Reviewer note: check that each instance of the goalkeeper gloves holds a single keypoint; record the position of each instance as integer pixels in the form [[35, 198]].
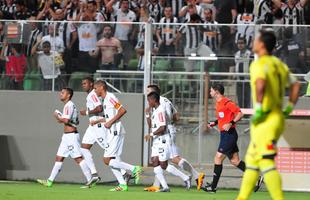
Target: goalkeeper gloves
[[288, 109], [258, 115]]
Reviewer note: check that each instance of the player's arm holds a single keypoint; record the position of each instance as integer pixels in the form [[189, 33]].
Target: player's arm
[[61, 119], [121, 111], [176, 117], [238, 115], [259, 115], [96, 110], [148, 116], [159, 131], [294, 87]]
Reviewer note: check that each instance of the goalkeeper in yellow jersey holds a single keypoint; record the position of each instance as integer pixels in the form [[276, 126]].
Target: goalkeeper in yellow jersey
[[269, 79]]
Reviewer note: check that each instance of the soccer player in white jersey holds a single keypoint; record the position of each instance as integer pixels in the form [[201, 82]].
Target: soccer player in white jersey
[[113, 111], [173, 116], [94, 134], [161, 144], [70, 142]]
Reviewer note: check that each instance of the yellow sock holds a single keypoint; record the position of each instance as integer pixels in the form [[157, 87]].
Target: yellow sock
[[272, 179], [248, 182]]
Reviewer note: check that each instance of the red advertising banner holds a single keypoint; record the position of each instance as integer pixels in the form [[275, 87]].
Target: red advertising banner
[[293, 160]]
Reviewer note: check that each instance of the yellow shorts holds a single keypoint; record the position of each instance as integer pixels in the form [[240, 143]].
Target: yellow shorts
[[264, 137]]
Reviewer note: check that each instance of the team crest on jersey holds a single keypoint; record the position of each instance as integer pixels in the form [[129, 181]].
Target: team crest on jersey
[[221, 114]]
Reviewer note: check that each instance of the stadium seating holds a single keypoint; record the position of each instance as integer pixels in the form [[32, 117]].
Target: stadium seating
[[33, 80]]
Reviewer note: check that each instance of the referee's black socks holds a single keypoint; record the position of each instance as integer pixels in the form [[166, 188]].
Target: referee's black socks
[[241, 165], [216, 176]]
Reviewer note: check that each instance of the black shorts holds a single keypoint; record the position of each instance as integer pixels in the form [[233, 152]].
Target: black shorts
[[228, 142]]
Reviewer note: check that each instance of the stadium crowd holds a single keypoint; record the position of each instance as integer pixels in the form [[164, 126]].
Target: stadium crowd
[[71, 45]]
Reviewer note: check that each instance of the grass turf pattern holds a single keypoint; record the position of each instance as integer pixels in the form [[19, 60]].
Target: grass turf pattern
[[34, 191]]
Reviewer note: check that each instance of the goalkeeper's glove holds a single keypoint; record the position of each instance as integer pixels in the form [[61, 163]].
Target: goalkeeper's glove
[[288, 109], [258, 115]]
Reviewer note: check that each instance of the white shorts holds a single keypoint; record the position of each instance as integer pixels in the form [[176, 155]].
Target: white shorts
[[161, 150], [70, 146], [93, 134], [113, 145], [174, 150]]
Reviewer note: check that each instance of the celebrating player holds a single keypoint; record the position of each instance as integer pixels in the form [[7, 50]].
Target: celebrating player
[[70, 142], [228, 114], [172, 117], [269, 78], [113, 112], [161, 144], [94, 133]]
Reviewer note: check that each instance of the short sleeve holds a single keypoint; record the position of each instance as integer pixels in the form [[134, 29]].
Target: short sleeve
[[233, 107], [95, 100], [259, 71], [67, 112], [115, 102]]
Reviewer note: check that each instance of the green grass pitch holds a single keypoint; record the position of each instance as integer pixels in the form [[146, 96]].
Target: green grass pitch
[[34, 191]]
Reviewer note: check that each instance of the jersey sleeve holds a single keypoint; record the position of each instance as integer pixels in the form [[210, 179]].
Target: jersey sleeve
[[67, 111], [115, 102], [259, 71], [290, 78], [94, 98], [233, 107]]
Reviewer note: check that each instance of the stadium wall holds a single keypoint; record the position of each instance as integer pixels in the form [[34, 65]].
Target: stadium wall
[[30, 136]]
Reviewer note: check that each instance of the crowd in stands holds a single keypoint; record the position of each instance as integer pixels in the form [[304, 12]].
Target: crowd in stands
[[74, 44]]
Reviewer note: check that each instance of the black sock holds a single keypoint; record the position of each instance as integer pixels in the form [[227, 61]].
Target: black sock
[[216, 176], [241, 166]]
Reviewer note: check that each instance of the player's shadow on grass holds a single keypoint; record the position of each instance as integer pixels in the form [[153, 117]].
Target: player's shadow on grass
[[11, 157]]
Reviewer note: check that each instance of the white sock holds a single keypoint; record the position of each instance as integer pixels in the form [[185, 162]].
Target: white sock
[[156, 182], [121, 165], [159, 173], [118, 175], [85, 169], [122, 170], [172, 170], [88, 157], [185, 165], [56, 169]]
